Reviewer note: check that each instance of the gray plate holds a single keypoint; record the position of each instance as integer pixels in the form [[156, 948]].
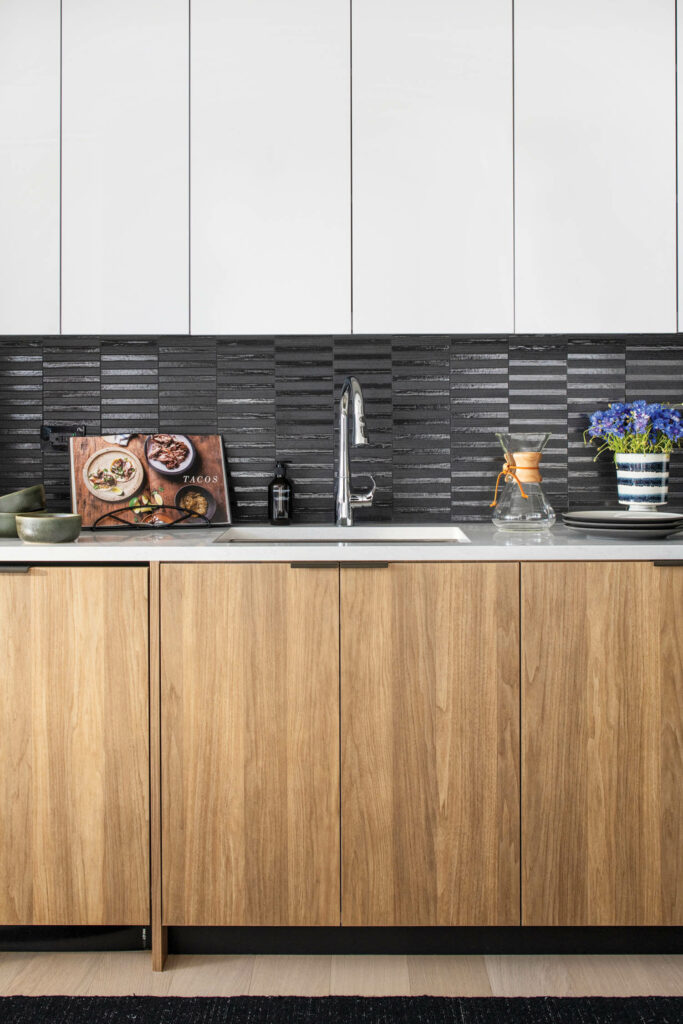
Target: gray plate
[[621, 517]]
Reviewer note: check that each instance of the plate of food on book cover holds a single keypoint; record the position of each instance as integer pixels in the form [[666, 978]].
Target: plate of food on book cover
[[113, 474], [170, 454]]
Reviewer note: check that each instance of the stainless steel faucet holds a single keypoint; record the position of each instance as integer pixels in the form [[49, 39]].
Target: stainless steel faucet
[[347, 499]]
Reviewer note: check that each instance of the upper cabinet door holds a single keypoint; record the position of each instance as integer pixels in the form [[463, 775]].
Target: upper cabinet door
[[595, 166], [29, 166], [432, 166], [125, 166], [679, 111], [270, 193]]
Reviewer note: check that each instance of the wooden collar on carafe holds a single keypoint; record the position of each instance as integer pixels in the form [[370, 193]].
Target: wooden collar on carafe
[[526, 466]]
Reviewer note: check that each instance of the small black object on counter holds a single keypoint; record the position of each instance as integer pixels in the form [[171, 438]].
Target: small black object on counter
[[280, 496]]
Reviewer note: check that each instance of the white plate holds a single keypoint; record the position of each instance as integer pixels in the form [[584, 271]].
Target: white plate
[[617, 517]]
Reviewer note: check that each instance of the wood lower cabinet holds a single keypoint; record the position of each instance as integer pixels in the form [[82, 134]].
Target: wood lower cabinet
[[250, 744], [602, 744], [430, 744], [74, 749]]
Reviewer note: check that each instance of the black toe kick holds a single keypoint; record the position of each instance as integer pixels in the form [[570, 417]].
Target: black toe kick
[[40, 939], [416, 941]]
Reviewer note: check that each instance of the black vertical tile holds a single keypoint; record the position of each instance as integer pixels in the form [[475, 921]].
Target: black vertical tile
[[303, 438], [246, 419], [421, 381], [21, 412], [654, 371], [130, 386], [596, 376], [370, 361], [433, 406], [479, 408], [71, 396], [187, 385], [538, 403]]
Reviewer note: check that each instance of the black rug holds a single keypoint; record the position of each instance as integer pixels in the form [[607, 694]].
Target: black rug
[[336, 1010]]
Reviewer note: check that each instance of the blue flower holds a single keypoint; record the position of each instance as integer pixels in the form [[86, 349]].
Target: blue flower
[[638, 427]]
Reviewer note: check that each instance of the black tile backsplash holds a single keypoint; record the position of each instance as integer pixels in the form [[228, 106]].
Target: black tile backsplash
[[433, 405]]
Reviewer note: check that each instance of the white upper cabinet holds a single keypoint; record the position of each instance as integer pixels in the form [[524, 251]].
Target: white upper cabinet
[[432, 166], [29, 167], [595, 166], [679, 80], [270, 183], [125, 185]]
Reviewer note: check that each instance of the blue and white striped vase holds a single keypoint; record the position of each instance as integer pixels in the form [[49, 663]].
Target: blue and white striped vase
[[642, 481]]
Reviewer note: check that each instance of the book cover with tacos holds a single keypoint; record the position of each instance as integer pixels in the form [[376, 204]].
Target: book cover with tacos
[[161, 479]]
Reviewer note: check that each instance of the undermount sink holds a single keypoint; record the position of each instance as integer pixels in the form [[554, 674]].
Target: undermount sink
[[361, 533]]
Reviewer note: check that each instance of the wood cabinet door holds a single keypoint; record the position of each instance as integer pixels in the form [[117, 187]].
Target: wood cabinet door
[[74, 748], [602, 744], [250, 744], [430, 744]]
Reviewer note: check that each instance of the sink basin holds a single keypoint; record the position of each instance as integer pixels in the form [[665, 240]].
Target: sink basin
[[362, 533]]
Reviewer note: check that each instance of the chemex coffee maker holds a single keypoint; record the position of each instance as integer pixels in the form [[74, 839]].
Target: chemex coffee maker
[[522, 504]]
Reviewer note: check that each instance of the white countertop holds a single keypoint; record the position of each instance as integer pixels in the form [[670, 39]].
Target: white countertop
[[485, 543]]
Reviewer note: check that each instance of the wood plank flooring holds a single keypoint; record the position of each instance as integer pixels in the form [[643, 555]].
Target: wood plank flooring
[[130, 973]]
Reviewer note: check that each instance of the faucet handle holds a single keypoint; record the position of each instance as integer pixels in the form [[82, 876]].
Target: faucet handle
[[364, 497]]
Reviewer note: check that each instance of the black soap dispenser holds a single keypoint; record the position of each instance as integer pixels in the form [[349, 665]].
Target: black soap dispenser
[[280, 496]]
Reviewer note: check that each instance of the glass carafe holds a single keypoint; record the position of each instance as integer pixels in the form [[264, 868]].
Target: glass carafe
[[520, 504]]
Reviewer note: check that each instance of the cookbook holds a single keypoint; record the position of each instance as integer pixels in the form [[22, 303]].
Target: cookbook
[[160, 479]]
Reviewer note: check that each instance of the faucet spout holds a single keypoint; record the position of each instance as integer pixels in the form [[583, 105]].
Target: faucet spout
[[351, 395]]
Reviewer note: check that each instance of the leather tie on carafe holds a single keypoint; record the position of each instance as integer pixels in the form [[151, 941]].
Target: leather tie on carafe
[[522, 467]]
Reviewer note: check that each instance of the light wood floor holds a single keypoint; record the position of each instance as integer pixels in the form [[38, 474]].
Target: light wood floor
[[130, 973]]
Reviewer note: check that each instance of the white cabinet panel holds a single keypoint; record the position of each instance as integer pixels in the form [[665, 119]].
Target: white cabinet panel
[[125, 188], [595, 165], [679, 24], [270, 142], [432, 166], [29, 167]]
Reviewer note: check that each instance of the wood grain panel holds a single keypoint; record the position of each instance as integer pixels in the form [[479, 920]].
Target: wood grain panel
[[159, 932], [74, 761], [602, 753], [250, 745], [430, 744]]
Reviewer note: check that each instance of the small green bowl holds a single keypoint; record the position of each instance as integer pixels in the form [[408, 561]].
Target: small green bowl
[[8, 523], [30, 499], [48, 527]]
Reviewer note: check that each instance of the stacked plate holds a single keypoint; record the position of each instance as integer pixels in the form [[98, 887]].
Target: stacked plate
[[625, 524]]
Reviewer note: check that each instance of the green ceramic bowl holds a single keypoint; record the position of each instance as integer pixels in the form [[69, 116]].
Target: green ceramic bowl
[[8, 523], [48, 527], [30, 499]]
